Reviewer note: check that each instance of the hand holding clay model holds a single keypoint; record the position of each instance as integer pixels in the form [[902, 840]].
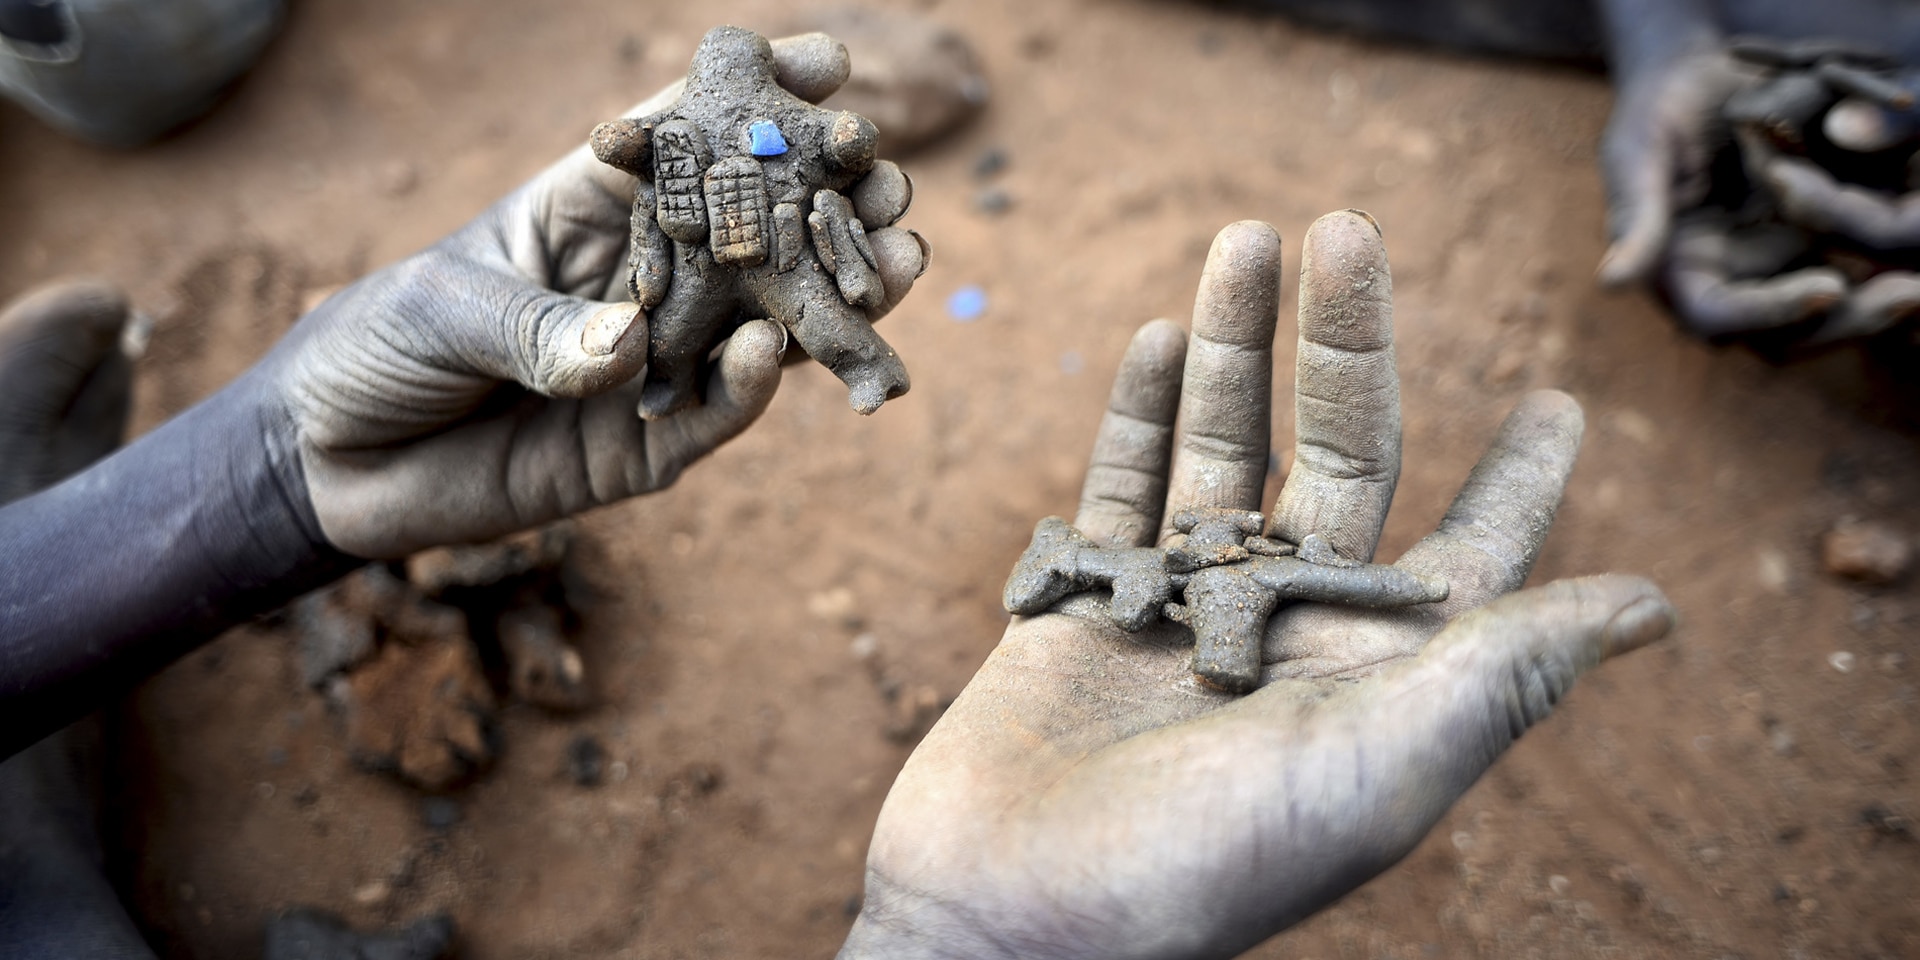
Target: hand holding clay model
[[750, 202], [1197, 823], [485, 385]]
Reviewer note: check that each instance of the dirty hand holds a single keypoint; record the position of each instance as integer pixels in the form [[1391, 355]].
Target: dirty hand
[[1656, 152], [491, 382], [1085, 797]]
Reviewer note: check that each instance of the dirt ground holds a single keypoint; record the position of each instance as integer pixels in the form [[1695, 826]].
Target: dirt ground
[[1729, 793]]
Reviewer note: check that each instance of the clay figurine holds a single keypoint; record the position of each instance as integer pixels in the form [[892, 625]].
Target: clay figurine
[[742, 210], [1230, 578]]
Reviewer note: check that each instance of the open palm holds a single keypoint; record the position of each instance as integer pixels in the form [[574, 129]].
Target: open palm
[[1086, 797]]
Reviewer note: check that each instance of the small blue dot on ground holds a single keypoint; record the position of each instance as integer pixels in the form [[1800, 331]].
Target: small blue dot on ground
[[765, 139], [967, 304], [1072, 362]]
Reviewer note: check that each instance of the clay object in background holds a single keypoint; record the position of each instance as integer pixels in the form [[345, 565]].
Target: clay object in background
[[914, 77], [728, 176], [1230, 578]]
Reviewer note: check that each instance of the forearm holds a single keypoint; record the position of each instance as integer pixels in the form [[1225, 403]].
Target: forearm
[[121, 569], [1644, 35]]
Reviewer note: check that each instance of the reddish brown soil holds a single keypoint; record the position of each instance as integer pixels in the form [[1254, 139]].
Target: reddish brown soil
[[1728, 793]]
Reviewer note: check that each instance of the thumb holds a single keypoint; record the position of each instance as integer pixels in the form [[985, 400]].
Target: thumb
[[500, 327], [580, 347], [1495, 672]]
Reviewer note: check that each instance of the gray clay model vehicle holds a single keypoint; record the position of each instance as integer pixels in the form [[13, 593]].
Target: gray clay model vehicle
[[1230, 578]]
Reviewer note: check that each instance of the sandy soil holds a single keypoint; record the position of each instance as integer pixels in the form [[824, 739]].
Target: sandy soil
[[1729, 793]]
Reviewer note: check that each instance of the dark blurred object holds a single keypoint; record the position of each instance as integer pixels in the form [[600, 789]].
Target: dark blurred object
[[1541, 29], [916, 79], [43, 22], [1809, 233], [304, 933], [123, 72]]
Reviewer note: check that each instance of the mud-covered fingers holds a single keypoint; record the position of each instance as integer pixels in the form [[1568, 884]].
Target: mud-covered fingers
[[882, 197], [1711, 302], [64, 384], [1226, 395], [1876, 305], [1812, 198], [1711, 305], [1492, 534], [1126, 486], [811, 65], [1637, 159], [51, 342], [743, 383], [900, 256], [1347, 391]]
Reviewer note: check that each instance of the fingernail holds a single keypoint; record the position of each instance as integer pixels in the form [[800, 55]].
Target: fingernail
[[1370, 221], [1642, 622], [926, 253], [605, 329]]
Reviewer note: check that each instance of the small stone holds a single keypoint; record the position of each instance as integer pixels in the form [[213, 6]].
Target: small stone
[[1840, 660], [1776, 573], [990, 163], [836, 605], [765, 139], [1559, 885], [372, 892], [439, 814], [864, 647], [586, 761], [1865, 551], [993, 201], [1781, 739]]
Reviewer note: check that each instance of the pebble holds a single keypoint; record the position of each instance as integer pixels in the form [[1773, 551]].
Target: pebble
[[991, 161], [373, 892], [1559, 885], [586, 761], [992, 201], [1840, 660], [1865, 551], [440, 814], [1781, 739]]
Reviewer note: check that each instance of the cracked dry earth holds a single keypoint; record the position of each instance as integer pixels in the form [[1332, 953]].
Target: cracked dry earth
[[1727, 793]]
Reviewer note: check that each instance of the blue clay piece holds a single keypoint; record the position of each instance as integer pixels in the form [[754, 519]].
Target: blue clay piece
[[766, 139]]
